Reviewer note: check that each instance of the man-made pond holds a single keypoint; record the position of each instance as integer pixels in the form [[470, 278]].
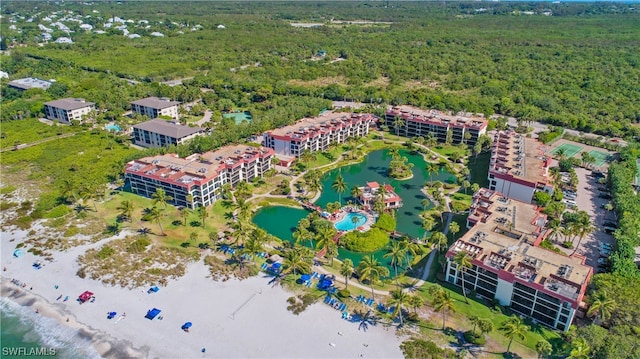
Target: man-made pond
[[374, 169]]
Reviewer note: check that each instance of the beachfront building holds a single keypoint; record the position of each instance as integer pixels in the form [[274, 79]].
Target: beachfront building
[[200, 176], [508, 265], [416, 122], [316, 134], [162, 133], [372, 191], [68, 109], [154, 107], [519, 166], [30, 83]]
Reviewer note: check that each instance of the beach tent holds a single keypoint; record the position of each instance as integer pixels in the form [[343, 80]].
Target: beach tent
[[152, 313], [153, 289], [110, 315], [305, 277], [186, 326], [85, 296], [18, 253]]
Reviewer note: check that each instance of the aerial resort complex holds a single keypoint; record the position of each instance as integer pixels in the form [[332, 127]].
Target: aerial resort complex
[[184, 179]]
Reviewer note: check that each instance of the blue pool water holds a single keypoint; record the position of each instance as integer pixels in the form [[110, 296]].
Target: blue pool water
[[114, 128], [346, 223]]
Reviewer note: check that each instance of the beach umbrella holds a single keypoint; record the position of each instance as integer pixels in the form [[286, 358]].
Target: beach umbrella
[[305, 277], [18, 253]]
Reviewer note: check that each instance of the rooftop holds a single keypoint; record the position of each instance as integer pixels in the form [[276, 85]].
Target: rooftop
[[70, 104], [507, 246], [156, 102], [30, 83], [167, 128], [519, 156], [324, 121], [197, 167], [438, 117]]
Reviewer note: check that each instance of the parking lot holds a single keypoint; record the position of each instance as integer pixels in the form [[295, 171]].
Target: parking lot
[[587, 200]]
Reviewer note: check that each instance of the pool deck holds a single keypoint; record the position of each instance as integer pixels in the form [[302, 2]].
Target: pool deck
[[342, 212]]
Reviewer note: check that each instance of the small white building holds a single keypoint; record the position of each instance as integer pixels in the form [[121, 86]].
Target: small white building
[[67, 109]]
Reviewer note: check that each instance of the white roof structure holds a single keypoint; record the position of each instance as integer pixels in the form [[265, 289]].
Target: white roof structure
[[157, 34], [63, 40]]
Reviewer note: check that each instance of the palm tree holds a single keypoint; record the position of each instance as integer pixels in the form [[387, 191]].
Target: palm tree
[[379, 206], [465, 185], [356, 192], [203, 214], [366, 319], [514, 328], [543, 348], [485, 326], [240, 232], [601, 307], [339, 185], [425, 203], [580, 349], [296, 261], [432, 168], [126, 210], [463, 262], [475, 188], [370, 269], [307, 156], [415, 302], [474, 319], [324, 235], [442, 302], [155, 215], [354, 220], [582, 231], [398, 122], [427, 225], [398, 299], [160, 196], [346, 270], [439, 239], [454, 228], [185, 213], [560, 154], [398, 255]]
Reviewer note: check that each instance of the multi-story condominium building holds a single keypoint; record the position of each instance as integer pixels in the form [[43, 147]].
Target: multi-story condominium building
[[162, 133], [518, 166], [68, 109], [431, 123], [371, 192], [200, 176], [30, 83], [508, 265], [154, 107], [315, 134]]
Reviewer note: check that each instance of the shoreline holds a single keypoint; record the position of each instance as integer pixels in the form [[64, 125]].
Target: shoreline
[[103, 343], [231, 319]]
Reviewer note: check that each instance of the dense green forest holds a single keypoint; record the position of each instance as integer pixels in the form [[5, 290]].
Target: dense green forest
[[578, 68]]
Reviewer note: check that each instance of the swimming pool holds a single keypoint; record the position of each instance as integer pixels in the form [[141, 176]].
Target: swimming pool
[[114, 128], [347, 224]]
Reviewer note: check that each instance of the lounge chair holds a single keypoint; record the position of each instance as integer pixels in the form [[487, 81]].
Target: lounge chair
[[370, 301], [327, 299]]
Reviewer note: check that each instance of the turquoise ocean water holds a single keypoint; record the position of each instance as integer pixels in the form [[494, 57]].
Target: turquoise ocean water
[[22, 329]]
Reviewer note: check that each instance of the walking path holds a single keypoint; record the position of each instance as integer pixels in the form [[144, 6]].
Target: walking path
[[25, 145]]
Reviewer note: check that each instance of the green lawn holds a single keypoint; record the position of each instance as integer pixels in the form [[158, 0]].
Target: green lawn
[[447, 150], [479, 169]]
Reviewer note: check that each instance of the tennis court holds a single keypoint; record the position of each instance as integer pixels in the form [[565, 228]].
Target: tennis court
[[569, 149], [601, 157]]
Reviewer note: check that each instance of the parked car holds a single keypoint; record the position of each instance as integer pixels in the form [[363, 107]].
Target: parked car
[[602, 261], [604, 195], [609, 230], [597, 174], [610, 224]]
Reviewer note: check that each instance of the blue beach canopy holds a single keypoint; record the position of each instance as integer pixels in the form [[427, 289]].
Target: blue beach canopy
[[305, 277], [18, 253], [152, 313], [187, 325]]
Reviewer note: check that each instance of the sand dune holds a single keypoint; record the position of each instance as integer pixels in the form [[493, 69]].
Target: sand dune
[[233, 319]]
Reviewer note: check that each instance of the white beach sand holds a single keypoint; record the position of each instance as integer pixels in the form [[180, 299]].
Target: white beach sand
[[233, 319]]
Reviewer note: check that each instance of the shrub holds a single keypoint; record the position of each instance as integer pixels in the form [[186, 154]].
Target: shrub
[[473, 338], [139, 245], [57, 211], [548, 245], [71, 231], [567, 244], [459, 206], [365, 242], [7, 189], [344, 293], [105, 252], [386, 222]]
